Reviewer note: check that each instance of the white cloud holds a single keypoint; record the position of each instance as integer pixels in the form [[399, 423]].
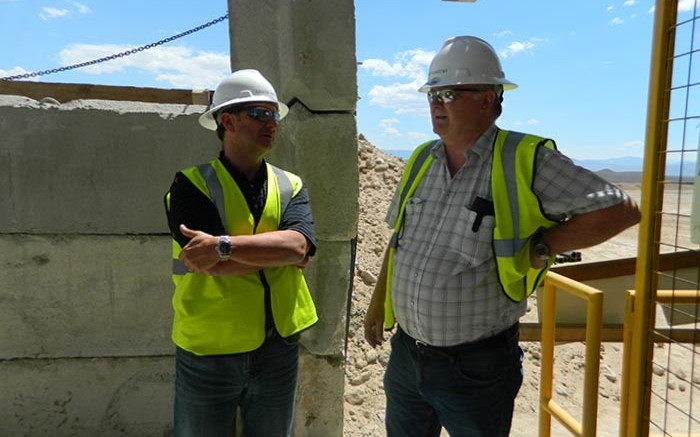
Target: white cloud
[[391, 132], [176, 66], [402, 98], [388, 128], [407, 73], [502, 33], [16, 72], [81, 9], [387, 122], [610, 8], [629, 3], [616, 21], [418, 136], [48, 13], [411, 64], [686, 5], [533, 122], [517, 47]]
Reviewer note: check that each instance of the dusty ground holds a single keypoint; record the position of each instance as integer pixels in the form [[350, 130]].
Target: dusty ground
[[364, 395]]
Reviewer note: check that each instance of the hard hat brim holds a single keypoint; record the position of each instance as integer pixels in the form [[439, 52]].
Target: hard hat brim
[[436, 83], [207, 118]]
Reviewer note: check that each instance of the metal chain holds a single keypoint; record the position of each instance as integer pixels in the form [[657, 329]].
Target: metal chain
[[118, 55]]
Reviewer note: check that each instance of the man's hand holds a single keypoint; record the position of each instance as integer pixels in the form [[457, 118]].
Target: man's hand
[[199, 255], [374, 323]]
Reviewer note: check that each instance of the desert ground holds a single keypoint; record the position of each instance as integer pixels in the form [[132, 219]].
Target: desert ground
[[364, 395]]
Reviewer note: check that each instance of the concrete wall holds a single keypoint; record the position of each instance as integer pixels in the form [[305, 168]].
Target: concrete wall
[[84, 249]]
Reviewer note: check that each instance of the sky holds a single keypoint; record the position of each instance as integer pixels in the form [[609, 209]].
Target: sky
[[582, 67]]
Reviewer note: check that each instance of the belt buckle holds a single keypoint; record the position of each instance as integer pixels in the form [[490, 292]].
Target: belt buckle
[[421, 344]]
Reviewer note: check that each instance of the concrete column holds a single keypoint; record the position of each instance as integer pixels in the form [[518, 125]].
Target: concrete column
[[307, 50]]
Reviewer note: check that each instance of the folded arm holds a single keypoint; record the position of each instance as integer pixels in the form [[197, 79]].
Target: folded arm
[[249, 253]]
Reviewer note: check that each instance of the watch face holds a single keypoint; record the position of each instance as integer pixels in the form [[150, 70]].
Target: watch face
[[541, 250], [223, 248]]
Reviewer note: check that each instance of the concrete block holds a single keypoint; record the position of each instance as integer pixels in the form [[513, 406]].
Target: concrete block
[[319, 408], [322, 149], [87, 397], [94, 167], [307, 49], [329, 277], [70, 296]]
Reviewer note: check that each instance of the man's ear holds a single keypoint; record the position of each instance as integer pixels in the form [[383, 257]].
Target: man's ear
[[487, 100], [226, 120]]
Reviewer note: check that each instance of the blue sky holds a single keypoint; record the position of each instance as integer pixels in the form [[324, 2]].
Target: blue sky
[[582, 67]]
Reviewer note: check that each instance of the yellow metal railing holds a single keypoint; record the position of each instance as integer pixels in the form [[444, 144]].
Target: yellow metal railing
[[633, 366], [548, 407]]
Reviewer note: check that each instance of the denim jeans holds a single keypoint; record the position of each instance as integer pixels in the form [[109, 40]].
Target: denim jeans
[[468, 389], [209, 389]]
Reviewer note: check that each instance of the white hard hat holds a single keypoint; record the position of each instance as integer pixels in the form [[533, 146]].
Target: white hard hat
[[241, 86], [466, 60]]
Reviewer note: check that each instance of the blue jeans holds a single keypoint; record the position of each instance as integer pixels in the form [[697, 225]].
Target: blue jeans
[[209, 389], [469, 389]]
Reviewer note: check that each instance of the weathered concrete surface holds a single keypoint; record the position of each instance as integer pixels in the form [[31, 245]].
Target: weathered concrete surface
[[329, 277], [94, 167], [84, 296], [323, 148], [305, 48], [87, 397], [321, 385]]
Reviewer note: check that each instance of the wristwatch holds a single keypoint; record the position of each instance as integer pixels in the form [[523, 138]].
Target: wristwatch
[[540, 247], [223, 248]]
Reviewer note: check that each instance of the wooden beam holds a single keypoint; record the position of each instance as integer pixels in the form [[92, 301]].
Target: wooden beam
[[626, 266], [610, 333], [66, 92]]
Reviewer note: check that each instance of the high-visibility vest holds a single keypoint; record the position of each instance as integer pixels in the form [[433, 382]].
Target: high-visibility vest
[[518, 214], [226, 314]]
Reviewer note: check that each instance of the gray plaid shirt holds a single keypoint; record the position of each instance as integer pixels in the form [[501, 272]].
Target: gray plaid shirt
[[445, 289]]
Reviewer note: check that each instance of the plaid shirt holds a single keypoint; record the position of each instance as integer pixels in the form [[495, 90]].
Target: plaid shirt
[[445, 287]]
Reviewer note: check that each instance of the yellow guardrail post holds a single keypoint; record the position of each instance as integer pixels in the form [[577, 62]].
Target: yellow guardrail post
[[626, 349], [594, 314], [547, 344]]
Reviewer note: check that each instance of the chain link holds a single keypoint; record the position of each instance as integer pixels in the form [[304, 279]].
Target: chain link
[[118, 55]]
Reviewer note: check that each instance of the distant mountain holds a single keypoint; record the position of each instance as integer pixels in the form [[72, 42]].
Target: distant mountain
[[626, 169], [673, 167]]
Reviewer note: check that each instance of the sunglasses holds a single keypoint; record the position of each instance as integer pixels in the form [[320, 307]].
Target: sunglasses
[[262, 114], [449, 95]]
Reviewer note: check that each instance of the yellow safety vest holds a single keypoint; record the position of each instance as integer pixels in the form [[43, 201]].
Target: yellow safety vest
[[518, 214], [226, 314]]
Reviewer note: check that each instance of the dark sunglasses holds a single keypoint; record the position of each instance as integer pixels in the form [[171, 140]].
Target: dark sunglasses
[[262, 114], [449, 95]]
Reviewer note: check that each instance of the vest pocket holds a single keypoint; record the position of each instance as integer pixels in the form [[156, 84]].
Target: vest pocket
[[473, 246]]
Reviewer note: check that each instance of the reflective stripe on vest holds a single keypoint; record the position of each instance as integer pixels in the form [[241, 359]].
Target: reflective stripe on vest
[[285, 187], [508, 248]]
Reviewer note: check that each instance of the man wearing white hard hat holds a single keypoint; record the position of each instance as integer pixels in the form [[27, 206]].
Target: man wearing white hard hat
[[242, 231], [478, 217]]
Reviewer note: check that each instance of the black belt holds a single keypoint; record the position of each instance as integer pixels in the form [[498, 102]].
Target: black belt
[[467, 346]]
